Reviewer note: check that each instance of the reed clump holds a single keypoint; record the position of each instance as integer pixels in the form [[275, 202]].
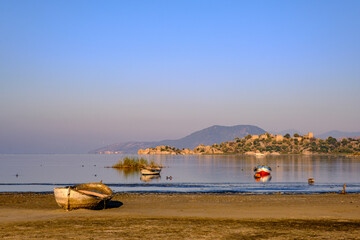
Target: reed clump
[[135, 163]]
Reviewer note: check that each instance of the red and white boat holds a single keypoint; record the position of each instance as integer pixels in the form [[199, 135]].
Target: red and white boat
[[262, 170]]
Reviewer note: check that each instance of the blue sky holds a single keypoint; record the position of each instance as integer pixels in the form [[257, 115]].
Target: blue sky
[[77, 75]]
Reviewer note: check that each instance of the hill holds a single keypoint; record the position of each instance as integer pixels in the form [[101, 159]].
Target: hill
[[267, 144], [339, 134], [127, 147], [208, 136]]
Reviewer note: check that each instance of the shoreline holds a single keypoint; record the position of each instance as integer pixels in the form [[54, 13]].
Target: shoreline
[[202, 193], [185, 215], [241, 154]]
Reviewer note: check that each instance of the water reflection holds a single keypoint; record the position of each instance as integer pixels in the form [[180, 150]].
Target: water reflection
[[239, 168], [224, 172], [150, 178], [127, 172], [263, 179]]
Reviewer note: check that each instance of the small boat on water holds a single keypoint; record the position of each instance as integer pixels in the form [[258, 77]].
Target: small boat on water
[[150, 171], [88, 195], [262, 170], [311, 181]]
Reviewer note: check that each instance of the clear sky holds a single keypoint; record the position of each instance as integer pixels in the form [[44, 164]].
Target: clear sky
[[78, 75]]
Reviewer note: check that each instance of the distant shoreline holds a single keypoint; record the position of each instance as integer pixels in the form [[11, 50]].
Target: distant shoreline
[[238, 154], [244, 154]]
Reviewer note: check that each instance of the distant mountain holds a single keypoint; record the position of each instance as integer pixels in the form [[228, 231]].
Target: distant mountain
[[207, 136], [289, 131], [127, 147], [338, 134], [214, 134]]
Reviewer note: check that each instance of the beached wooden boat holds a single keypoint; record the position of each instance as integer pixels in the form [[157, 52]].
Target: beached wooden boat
[[88, 195], [262, 170], [150, 171]]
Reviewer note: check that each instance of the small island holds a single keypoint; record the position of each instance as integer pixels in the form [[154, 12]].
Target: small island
[[266, 144], [135, 164]]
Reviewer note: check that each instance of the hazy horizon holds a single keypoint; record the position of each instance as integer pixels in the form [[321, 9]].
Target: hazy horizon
[[78, 75]]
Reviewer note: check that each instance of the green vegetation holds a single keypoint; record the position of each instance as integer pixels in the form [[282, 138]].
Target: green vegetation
[[135, 163], [166, 149]]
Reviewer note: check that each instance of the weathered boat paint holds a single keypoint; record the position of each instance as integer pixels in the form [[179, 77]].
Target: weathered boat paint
[[88, 195]]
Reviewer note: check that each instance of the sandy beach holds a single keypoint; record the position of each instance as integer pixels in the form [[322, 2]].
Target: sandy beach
[[184, 216]]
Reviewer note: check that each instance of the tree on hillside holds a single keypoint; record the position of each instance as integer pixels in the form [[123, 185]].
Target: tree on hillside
[[256, 142], [248, 137], [344, 142], [296, 135], [332, 141], [287, 136]]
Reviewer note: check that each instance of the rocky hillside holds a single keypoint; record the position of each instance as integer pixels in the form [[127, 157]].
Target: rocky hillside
[[167, 150], [268, 144]]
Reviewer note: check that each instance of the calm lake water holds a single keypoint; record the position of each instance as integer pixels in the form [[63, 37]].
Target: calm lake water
[[41, 173]]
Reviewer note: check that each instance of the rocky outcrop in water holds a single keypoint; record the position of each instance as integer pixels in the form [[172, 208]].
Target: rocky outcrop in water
[[167, 150]]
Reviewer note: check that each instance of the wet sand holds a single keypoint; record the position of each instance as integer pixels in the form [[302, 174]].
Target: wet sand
[[184, 216]]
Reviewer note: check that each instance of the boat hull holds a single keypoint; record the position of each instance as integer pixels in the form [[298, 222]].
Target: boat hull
[[82, 196], [146, 171], [262, 171], [71, 199]]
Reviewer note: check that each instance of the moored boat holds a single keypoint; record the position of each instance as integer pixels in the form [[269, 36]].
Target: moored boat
[[150, 171], [88, 195], [262, 170]]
